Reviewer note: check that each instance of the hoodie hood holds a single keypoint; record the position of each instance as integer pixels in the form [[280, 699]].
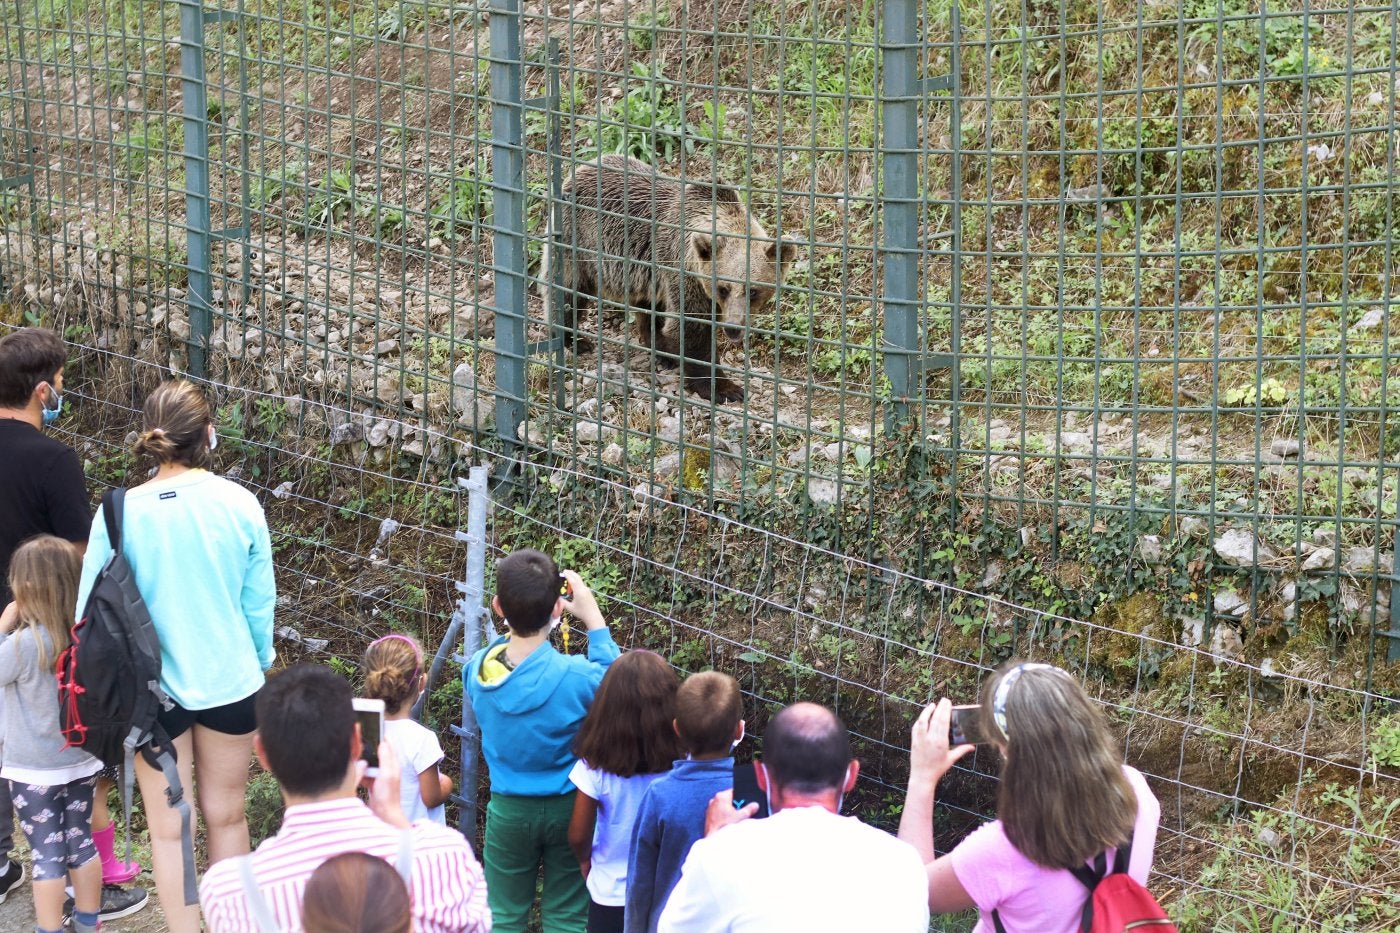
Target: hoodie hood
[[527, 688]]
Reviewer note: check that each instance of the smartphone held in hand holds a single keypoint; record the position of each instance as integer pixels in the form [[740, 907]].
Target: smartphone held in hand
[[370, 715], [964, 726]]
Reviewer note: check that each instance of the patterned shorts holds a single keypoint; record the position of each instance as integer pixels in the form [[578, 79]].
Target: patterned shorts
[[57, 821]]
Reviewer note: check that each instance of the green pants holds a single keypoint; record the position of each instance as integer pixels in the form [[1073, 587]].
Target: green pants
[[523, 835]]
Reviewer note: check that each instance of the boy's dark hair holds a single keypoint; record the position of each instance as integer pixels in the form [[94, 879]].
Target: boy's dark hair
[[527, 584], [305, 719], [806, 749], [28, 356], [708, 710]]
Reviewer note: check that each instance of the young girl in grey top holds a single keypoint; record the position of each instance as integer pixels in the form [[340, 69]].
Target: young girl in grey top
[[52, 786]]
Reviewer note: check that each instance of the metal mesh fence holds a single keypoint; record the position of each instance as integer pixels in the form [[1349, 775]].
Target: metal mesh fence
[[1088, 306]]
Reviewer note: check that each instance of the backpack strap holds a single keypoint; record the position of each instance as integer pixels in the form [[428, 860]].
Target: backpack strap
[[112, 509], [1091, 876], [164, 760], [404, 860], [258, 907]]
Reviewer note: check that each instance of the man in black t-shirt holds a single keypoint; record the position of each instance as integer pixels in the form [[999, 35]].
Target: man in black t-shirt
[[41, 487], [42, 492]]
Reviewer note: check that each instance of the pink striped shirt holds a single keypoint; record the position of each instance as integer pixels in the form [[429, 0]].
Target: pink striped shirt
[[449, 894]]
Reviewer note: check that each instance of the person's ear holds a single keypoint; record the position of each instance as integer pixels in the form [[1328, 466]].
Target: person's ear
[[852, 772], [760, 774], [676, 728], [739, 731], [496, 605], [357, 744], [261, 753]]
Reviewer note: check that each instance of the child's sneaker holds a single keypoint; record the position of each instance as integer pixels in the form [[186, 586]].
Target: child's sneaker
[[10, 878]]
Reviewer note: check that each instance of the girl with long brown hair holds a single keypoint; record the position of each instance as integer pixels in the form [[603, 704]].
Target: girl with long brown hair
[[1066, 796], [626, 743]]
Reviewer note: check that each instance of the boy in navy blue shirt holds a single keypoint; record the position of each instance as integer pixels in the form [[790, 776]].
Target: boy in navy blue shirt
[[709, 721], [529, 702]]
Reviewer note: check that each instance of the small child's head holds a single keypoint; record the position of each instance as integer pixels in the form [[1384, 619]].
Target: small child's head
[[393, 671], [356, 892], [628, 728], [709, 714], [527, 590], [44, 574]]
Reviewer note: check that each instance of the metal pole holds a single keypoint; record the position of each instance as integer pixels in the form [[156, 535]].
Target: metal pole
[[508, 192], [899, 159], [471, 618], [195, 95]]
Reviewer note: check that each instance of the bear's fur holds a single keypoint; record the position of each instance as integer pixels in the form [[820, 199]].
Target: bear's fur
[[687, 256]]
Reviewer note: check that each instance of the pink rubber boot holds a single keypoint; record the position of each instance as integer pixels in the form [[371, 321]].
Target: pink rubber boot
[[113, 871]]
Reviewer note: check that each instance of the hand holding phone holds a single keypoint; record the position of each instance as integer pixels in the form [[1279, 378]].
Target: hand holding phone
[[370, 715]]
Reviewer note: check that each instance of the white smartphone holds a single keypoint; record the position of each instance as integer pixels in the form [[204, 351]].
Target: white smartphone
[[370, 715]]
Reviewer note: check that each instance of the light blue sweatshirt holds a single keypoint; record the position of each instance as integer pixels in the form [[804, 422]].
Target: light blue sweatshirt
[[528, 719], [199, 548]]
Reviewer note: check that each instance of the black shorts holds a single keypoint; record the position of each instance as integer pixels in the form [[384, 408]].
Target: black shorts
[[236, 718]]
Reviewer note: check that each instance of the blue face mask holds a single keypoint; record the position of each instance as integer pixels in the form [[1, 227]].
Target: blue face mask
[[50, 415]]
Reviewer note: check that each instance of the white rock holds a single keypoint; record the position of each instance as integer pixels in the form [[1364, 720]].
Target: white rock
[[1325, 537], [1364, 560], [1027, 536], [1193, 526], [996, 569], [1241, 548], [347, 433], [1150, 548], [1268, 669], [1228, 602], [385, 347], [1372, 319], [821, 491], [591, 432], [1285, 447], [643, 491], [283, 491], [1269, 837], [1324, 558], [1321, 151], [667, 466], [463, 389], [1225, 644], [378, 434], [612, 454]]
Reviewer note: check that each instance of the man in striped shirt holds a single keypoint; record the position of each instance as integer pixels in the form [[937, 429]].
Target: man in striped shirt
[[307, 737]]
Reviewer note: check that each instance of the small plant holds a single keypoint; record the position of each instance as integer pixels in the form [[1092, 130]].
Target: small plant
[[465, 204], [152, 139], [332, 199], [1385, 743], [292, 175]]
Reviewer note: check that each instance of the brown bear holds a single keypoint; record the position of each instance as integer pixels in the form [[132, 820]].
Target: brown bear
[[686, 256]]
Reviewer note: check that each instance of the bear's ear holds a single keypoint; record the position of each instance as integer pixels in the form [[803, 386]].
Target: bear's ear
[[704, 247], [782, 251]]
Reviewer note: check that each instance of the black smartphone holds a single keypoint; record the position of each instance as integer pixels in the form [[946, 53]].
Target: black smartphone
[[964, 726], [746, 790]]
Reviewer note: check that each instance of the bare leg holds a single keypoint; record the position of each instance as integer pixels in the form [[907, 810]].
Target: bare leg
[[224, 762], [164, 822]]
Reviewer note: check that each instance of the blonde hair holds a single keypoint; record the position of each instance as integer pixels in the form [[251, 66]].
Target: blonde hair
[[1059, 753], [175, 427], [393, 665], [44, 576]]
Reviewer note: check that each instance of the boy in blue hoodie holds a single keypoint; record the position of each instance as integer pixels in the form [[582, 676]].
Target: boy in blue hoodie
[[529, 702], [709, 722]]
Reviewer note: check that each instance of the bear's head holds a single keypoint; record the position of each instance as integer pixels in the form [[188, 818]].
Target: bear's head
[[737, 262]]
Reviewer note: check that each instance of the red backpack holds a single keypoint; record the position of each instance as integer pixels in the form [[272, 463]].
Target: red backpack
[[1116, 902]]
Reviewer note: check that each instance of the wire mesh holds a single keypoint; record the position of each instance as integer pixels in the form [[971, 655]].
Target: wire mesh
[[1149, 349]]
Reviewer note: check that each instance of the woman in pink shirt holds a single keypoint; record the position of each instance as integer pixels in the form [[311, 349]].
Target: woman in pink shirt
[[1065, 797]]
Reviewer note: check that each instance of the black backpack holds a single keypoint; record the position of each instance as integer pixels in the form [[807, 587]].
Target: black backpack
[[109, 691]]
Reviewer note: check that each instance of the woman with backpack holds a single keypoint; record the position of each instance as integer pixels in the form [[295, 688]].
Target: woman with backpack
[[200, 552], [1069, 811]]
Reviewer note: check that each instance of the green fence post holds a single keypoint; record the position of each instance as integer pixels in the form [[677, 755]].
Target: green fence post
[[196, 106], [900, 96], [508, 198]]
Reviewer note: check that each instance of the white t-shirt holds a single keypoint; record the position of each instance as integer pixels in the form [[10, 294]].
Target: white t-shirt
[[803, 868], [418, 750], [619, 799]]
